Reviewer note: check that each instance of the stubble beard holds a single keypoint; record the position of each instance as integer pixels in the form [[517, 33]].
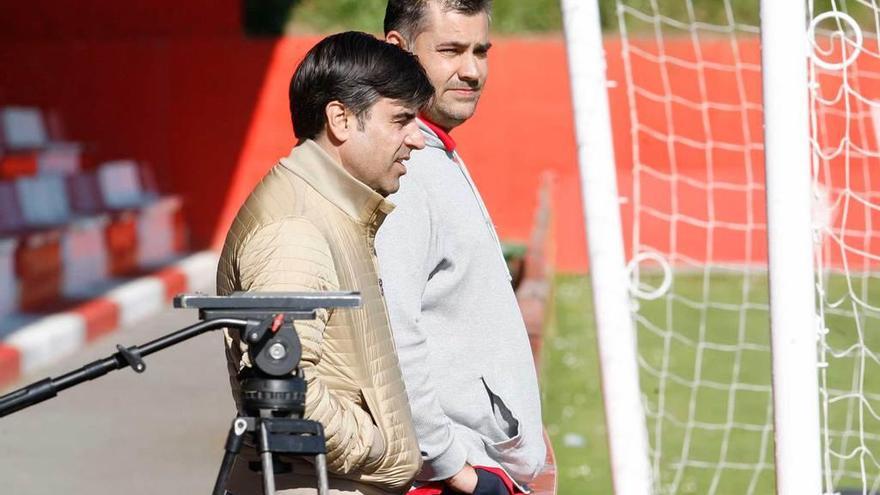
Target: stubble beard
[[453, 114]]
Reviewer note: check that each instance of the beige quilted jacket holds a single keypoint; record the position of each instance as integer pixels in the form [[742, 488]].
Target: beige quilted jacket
[[310, 226]]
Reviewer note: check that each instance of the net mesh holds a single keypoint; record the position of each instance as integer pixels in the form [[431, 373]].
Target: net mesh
[[693, 171], [845, 104], [698, 226]]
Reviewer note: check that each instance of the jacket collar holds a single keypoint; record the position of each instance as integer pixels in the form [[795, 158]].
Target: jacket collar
[[310, 162]]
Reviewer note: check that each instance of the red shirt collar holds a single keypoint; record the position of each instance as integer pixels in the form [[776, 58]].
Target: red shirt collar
[[444, 136]]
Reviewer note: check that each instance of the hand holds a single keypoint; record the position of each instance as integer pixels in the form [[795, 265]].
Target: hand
[[464, 481]]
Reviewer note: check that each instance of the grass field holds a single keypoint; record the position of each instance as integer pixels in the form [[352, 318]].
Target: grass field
[[705, 376], [542, 16]]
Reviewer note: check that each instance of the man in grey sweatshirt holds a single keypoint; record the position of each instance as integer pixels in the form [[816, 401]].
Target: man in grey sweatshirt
[[460, 337]]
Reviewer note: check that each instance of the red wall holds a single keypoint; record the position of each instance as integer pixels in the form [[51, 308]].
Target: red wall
[[108, 19], [175, 84], [210, 115]]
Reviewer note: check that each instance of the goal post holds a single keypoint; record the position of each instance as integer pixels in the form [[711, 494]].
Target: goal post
[[624, 417], [793, 321]]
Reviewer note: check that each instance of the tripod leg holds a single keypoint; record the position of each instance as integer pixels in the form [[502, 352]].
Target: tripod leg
[[233, 447], [321, 470], [266, 457]]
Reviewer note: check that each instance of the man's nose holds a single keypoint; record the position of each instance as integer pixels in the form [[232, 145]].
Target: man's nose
[[415, 139], [469, 70]]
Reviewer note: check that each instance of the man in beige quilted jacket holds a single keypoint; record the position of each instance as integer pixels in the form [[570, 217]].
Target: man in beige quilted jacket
[[309, 225]]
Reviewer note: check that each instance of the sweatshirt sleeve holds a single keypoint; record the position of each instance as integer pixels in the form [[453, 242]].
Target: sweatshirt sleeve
[[407, 251], [291, 255]]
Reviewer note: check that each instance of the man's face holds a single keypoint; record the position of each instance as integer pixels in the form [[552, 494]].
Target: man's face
[[453, 48], [374, 152]]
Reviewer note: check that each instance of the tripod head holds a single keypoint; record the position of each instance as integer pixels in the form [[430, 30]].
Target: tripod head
[[273, 386], [273, 391]]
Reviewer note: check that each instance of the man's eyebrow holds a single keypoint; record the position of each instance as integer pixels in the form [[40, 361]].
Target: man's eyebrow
[[405, 115], [453, 44], [459, 45]]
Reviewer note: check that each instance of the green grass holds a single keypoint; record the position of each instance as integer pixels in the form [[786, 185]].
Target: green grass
[[686, 376], [572, 392], [544, 16], [509, 16]]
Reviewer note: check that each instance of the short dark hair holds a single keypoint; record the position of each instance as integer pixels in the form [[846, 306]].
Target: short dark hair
[[408, 16], [355, 69]]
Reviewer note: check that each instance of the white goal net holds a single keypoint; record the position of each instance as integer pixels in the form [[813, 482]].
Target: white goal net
[[689, 82], [845, 104]]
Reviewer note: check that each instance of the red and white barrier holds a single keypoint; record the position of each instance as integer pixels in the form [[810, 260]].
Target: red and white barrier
[[54, 337]]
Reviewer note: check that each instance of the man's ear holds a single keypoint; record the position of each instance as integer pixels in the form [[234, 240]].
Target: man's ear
[[395, 38], [337, 121]]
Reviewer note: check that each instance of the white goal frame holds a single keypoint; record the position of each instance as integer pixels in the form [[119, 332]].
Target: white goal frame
[[794, 324]]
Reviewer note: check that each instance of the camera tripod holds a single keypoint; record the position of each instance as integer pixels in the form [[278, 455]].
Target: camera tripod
[[273, 390], [273, 420]]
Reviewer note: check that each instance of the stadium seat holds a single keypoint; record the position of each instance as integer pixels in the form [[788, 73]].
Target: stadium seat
[[64, 230], [84, 255], [23, 128], [38, 269], [74, 245], [41, 208], [43, 200], [157, 229], [121, 238], [27, 149], [11, 221], [60, 158], [84, 193], [8, 286], [120, 183]]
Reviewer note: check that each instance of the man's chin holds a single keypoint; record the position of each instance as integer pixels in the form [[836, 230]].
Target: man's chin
[[457, 114], [390, 188]]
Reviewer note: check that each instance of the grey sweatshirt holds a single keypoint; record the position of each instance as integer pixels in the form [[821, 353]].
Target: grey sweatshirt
[[460, 337]]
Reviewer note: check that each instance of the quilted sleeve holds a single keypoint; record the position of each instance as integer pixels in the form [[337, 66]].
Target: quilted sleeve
[[291, 255]]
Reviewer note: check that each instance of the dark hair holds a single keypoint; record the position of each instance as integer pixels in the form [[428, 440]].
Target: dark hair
[[355, 69], [408, 16]]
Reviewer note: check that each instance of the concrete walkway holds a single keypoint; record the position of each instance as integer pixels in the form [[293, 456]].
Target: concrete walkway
[[161, 432]]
